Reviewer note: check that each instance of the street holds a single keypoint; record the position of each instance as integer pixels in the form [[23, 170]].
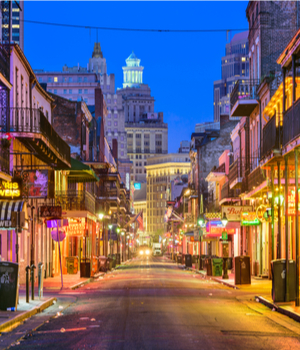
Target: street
[[151, 303]]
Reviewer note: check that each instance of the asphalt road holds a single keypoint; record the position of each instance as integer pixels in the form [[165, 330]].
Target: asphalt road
[[151, 303]]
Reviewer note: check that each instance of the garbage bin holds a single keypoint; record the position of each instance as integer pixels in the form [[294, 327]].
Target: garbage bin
[[208, 266], [9, 288], [110, 263], [72, 265], [242, 270], [85, 268], [179, 259], [217, 264], [103, 263], [202, 262], [278, 268], [188, 260], [118, 259]]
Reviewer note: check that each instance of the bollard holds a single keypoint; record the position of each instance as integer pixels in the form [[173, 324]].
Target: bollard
[[27, 283], [32, 267], [40, 278]]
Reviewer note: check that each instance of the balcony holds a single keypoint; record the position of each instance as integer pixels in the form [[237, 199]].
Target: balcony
[[74, 200], [291, 124], [108, 193], [227, 194], [271, 134], [256, 178], [243, 98], [216, 174], [236, 173], [33, 129]]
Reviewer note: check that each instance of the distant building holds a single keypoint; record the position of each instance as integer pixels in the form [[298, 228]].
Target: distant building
[[16, 28], [140, 204], [163, 173], [184, 147], [147, 134], [234, 65], [202, 127]]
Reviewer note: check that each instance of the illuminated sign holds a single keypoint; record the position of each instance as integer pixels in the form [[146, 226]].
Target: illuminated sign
[[137, 185], [49, 211], [249, 219], [10, 189], [233, 212], [292, 201], [77, 227], [216, 227]]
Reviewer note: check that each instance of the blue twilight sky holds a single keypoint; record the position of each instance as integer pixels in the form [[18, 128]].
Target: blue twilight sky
[[179, 67]]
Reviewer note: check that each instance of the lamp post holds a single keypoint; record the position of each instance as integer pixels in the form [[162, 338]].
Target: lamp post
[[201, 224], [110, 227], [224, 221], [101, 216], [122, 238]]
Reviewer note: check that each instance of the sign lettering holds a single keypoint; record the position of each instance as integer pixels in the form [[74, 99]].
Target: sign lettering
[[10, 189], [233, 212]]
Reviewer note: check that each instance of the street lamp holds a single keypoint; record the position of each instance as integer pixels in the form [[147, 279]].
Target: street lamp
[[201, 221], [224, 220], [101, 216]]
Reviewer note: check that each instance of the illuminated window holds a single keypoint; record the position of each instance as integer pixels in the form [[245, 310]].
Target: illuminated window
[[243, 59], [55, 80]]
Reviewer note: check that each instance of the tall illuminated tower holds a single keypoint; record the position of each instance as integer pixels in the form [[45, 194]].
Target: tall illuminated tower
[[133, 72]]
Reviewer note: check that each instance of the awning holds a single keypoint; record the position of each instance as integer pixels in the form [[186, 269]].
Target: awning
[[80, 172], [6, 209]]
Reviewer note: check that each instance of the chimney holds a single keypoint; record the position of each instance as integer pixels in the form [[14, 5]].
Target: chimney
[[98, 103], [115, 149]]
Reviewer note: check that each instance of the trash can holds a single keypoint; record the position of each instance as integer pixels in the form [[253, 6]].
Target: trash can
[[72, 265], [85, 268], [103, 263], [242, 270], [195, 259], [208, 266], [188, 260], [217, 264], [179, 259], [9, 288], [202, 262], [118, 259], [278, 268]]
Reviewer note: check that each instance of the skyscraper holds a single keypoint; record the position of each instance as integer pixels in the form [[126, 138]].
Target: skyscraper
[[234, 66], [12, 16], [147, 134]]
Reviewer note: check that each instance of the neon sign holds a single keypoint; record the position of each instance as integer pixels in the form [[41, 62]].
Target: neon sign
[[249, 219], [10, 189]]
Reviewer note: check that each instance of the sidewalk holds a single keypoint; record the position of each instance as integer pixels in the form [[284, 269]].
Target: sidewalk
[[11, 319], [260, 288]]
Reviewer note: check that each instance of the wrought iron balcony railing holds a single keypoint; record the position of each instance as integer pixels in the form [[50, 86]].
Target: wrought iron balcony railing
[[4, 62], [256, 178], [291, 123], [271, 136], [244, 90], [31, 120], [226, 192], [75, 200]]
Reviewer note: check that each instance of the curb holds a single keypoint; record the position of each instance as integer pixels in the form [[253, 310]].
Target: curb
[[13, 323], [291, 314], [80, 284], [213, 278]]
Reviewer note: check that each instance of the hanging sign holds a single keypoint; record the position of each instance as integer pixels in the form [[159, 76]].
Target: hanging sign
[[249, 219], [224, 235], [50, 211], [233, 212], [77, 227]]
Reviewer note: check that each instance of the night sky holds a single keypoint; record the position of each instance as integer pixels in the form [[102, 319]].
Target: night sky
[[179, 67]]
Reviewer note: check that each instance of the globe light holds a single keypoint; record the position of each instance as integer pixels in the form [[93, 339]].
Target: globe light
[[101, 216], [224, 220]]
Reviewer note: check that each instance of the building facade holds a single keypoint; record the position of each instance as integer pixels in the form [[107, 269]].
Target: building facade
[[162, 171], [147, 134]]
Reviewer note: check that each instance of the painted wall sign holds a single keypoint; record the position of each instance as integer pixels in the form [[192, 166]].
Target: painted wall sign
[[233, 212], [77, 227], [11, 189], [249, 219]]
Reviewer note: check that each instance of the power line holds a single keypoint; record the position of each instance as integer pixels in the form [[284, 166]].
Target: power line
[[135, 29]]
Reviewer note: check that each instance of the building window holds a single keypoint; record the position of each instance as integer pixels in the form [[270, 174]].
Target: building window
[[122, 138], [108, 100], [122, 145], [115, 123], [122, 153], [85, 91], [40, 80], [55, 80], [50, 90], [70, 91], [86, 100], [109, 115], [115, 101], [49, 80], [80, 91], [130, 136], [79, 79], [70, 80], [85, 79], [55, 91], [108, 87], [115, 115], [109, 123], [65, 91]]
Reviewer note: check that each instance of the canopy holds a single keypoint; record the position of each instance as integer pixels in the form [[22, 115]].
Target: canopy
[[81, 172], [6, 209]]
